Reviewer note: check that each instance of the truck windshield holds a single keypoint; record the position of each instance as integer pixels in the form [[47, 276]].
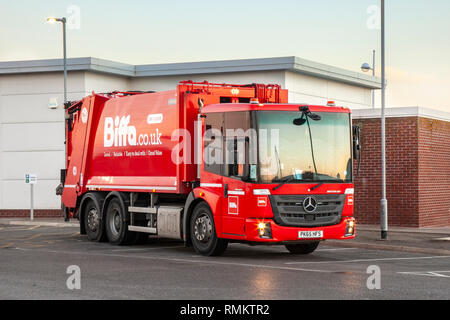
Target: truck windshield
[[298, 154]]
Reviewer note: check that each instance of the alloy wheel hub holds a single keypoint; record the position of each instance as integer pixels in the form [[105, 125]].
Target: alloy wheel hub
[[203, 228], [93, 219]]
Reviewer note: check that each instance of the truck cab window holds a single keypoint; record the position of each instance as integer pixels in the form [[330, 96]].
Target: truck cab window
[[237, 143], [213, 153]]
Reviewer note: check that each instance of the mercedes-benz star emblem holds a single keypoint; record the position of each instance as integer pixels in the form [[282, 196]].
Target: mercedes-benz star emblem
[[309, 204]]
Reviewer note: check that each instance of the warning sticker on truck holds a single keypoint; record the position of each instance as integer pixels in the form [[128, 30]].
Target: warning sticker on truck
[[262, 202], [233, 205]]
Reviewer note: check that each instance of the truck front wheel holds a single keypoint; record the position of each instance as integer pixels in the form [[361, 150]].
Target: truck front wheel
[[203, 232], [116, 224], [302, 248]]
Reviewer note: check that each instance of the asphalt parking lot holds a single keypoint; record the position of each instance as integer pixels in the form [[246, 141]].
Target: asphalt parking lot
[[34, 261]]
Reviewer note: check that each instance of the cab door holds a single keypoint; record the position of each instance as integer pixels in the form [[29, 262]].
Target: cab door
[[236, 140]]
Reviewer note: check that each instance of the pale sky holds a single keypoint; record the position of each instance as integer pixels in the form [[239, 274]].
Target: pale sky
[[341, 33]]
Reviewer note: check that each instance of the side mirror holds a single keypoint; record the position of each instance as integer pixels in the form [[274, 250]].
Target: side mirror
[[69, 119], [299, 121], [200, 105], [306, 113], [356, 142]]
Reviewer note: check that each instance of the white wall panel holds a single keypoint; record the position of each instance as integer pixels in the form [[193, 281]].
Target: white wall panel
[[33, 136], [170, 82], [41, 83], [30, 108], [295, 97], [314, 87], [351, 94], [45, 164], [105, 83], [16, 194], [307, 89]]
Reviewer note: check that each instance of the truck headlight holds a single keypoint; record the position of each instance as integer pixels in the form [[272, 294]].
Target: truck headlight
[[350, 230], [264, 230]]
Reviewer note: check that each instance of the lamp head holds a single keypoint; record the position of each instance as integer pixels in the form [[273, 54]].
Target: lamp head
[[53, 20], [366, 67]]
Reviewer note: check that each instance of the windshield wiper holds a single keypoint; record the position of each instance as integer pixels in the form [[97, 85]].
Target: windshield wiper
[[284, 181], [331, 181], [316, 186], [326, 181]]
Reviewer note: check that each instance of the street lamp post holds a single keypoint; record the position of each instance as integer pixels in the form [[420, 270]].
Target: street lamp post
[[373, 74], [365, 68], [383, 202], [63, 21]]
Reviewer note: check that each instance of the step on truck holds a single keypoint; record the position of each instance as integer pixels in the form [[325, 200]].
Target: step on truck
[[209, 164]]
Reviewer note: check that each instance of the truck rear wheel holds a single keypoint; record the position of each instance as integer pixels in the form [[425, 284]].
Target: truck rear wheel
[[302, 248], [116, 224], [203, 232], [93, 223]]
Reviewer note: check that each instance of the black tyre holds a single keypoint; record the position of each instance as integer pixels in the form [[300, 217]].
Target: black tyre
[[116, 224], [93, 222], [302, 248], [203, 232]]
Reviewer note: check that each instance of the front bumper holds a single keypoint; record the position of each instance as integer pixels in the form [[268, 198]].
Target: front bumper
[[287, 234]]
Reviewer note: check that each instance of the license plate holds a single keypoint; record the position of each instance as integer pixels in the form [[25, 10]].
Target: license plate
[[310, 234]]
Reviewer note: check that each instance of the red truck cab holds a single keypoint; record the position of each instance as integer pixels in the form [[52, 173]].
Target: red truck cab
[[299, 187]]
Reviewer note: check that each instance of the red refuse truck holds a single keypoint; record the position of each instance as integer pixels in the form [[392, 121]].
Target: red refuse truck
[[210, 164]]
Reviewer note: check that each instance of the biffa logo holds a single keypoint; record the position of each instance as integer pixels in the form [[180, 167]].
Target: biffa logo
[[119, 133]]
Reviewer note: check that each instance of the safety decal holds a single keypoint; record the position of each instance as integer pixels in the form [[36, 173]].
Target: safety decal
[[233, 205], [262, 202]]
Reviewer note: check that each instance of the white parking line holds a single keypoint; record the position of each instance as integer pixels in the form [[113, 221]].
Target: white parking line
[[204, 262], [442, 239], [145, 249], [16, 229], [429, 273], [367, 260], [336, 249]]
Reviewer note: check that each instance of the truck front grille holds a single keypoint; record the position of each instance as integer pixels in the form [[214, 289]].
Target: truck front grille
[[288, 210]]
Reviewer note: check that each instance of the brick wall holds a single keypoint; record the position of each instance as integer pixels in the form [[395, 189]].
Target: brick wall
[[434, 172], [26, 213], [418, 180]]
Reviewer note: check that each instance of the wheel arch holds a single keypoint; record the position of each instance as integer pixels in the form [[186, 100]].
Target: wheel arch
[[112, 195], [191, 203]]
